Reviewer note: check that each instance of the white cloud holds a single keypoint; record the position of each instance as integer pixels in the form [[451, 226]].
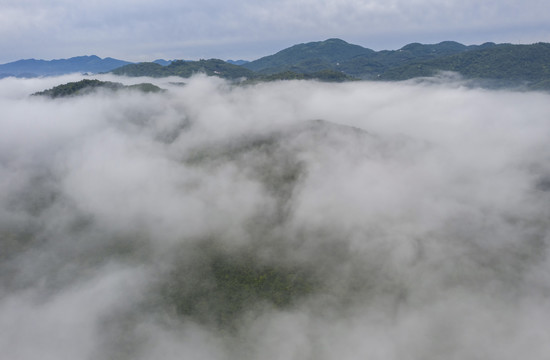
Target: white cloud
[[140, 30], [421, 209]]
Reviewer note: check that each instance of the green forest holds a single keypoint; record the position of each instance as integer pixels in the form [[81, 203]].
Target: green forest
[[86, 86], [335, 60]]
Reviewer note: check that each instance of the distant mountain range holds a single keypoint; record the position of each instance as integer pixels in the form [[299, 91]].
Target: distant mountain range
[[82, 64], [334, 60]]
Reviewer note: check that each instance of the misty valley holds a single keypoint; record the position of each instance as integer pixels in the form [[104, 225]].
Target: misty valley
[[146, 218]]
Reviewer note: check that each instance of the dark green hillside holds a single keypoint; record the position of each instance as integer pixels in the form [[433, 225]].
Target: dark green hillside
[[378, 63], [312, 70], [86, 86], [323, 75], [354, 60], [501, 65], [219, 288], [141, 69], [337, 60], [504, 62], [324, 54], [443, 48], [212, 67]]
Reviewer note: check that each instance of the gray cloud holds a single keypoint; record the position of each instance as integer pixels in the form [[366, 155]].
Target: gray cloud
[[141, 31], [381, 220]]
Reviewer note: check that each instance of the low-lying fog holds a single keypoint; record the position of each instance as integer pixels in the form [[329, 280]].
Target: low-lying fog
[[286, 220]]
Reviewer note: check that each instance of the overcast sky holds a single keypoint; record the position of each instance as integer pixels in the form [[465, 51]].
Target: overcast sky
[[141, 30]]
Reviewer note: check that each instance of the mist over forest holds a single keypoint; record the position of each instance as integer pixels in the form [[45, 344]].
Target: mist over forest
[[280, 220]]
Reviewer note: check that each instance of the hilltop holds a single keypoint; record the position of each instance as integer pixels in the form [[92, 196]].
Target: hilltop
[[308, 58], [87, 86]]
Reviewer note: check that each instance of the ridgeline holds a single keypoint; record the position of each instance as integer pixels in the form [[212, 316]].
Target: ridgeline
[[527, 66], [334, 60]]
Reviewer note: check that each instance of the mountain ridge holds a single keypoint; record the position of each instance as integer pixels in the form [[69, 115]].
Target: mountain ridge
[[353, 60], [500, 65], [82, 64], [211, 67], [334, 60]]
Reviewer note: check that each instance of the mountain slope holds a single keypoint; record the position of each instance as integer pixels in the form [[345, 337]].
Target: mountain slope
[[504, 62], [33, 67], [324, 54], [372, 66], [212, 67], [354, 60], [333, 60], [87, 86]]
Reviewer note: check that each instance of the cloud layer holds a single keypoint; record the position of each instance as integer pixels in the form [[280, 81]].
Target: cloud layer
[[375, 220], [142, 31]]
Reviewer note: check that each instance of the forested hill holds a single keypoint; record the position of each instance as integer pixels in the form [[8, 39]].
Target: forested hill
[[337, 60], [87, 86], [334, 60], [220, 68], [505, 64], [212, 67], [310, 57], [336, 54]]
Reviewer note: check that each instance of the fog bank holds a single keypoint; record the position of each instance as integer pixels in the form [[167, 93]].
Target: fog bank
[[285, 220]]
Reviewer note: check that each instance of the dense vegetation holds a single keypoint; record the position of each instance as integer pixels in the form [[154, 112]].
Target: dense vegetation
[[212, 67], [220, 68], [503, 64], [322, 75], [86, 86], [335, 60], [322, 53], [217, 288], [351, 59]]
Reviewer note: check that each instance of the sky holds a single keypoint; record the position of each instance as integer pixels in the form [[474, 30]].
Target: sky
[[140, 30]]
